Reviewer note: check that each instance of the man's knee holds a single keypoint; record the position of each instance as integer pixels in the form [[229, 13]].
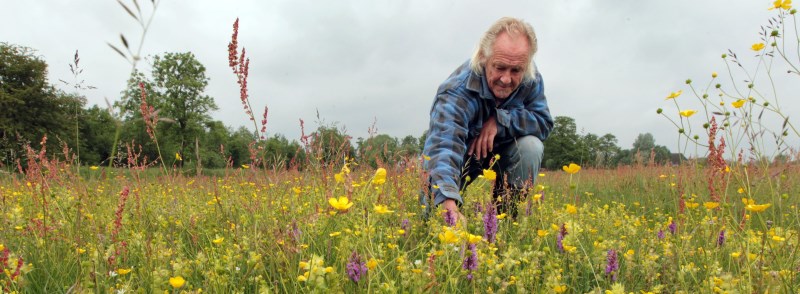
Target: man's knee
[[530, 148]]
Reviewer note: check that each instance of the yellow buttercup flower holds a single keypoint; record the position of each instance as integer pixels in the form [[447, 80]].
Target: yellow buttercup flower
[[501, 216], [688, 112], [781, 4], [711, 205], [448, 237], [572, 168], [714, 74], [245, 166], [218, 241], [542, 233], [757, 46], [630, 253], [176, 282], [94, 167], [380, 177], [489, 174], [560, 288], [757, 207], [571, 209], [382, 209], [738, 103], [341, 204], [750, 205], [124, 271], [372, 263], [339, 177], [673, 95], [569, 248], [473, 239]]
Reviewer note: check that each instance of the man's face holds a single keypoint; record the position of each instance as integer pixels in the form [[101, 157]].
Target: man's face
[[506, 67]]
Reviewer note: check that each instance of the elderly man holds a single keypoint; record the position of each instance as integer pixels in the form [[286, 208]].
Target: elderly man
[[494, 104]]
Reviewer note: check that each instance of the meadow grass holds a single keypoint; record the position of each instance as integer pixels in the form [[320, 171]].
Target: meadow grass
[[262, 231]]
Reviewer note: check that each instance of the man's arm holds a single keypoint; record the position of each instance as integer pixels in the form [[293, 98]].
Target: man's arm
[[532, 118], [446, 145]]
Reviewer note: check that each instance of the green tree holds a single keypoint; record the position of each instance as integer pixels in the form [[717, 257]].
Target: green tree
[[97, 135], [607, 151], [180, 81], [643, 148], [588, 146], [379, 149], [213, 144], [238, 146], [279, 153], [409, 146], [330, 145], [176, 91], [132, 128], [562, 146], [644, 143], [31, 107]]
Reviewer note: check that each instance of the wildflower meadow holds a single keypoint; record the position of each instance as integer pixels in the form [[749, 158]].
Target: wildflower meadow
[[724, 221]]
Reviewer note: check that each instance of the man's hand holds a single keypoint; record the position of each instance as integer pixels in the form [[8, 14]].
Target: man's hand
[[451, 206], [484, 143]]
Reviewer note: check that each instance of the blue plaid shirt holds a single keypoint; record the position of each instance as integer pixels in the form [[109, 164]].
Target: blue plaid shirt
[[463, 102]]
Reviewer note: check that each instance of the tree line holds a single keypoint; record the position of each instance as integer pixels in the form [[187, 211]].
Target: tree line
[[184, 135]]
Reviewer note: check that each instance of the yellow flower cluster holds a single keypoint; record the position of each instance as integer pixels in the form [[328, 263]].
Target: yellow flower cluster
[[314, 270]]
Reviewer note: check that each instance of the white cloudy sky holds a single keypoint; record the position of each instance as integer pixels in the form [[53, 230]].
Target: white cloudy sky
[[608, 64]]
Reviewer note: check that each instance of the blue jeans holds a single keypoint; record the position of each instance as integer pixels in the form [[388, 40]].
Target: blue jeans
[[516, 171]]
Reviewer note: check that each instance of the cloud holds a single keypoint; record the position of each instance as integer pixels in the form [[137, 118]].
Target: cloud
[[362, 62]]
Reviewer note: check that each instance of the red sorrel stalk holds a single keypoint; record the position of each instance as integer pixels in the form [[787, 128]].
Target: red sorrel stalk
[[122, 245], [715, 170], [150, 117], [240, 64]]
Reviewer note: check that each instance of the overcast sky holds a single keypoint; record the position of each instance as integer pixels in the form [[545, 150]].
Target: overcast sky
[[607, 64]]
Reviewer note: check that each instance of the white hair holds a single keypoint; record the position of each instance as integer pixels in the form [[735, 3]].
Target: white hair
[[513, 27]]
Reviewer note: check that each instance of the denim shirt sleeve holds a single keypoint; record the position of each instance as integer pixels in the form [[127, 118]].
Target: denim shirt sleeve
[[446, 144], [531, 117]]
